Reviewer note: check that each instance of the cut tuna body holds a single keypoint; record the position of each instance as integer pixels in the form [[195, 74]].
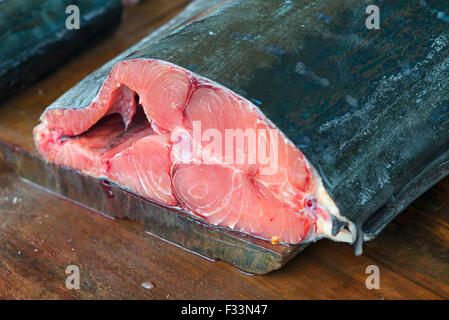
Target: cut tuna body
[[366, 115], [183, 141]]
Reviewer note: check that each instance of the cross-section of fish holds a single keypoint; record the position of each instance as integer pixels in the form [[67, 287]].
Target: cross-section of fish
[[289, 121], [184, 141]]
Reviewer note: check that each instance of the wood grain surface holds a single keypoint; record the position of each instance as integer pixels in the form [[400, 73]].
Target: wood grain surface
[[41, 234]]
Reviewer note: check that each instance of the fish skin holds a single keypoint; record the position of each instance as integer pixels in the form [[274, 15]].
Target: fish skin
[[373, 126], [337, 225], [34, 39]]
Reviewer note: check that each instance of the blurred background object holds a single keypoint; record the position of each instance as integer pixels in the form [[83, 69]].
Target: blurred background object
[[36, 36]]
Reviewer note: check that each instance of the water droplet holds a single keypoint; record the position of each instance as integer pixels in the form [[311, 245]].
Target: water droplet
[[147, 285]]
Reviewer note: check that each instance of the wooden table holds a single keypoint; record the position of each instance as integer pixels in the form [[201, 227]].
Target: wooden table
[[41, 234]]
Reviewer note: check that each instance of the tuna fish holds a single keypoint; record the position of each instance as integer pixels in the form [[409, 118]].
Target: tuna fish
[[262, 117], [140, 131]]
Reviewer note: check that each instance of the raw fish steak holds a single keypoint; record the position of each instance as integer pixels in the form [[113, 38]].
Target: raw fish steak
[[184, 141], [290, 121]]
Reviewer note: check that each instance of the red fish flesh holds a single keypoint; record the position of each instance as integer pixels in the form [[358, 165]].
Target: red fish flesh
[[186, 142]]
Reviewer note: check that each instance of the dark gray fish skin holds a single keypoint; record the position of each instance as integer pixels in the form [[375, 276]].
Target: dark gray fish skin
[[34, 38], [337, 225], [368, 108]]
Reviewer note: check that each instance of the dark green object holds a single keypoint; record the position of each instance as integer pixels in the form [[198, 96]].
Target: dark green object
[[368, 108], [34, 38]]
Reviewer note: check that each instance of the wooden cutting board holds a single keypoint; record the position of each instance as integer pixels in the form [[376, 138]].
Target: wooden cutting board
[[41, 234]]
